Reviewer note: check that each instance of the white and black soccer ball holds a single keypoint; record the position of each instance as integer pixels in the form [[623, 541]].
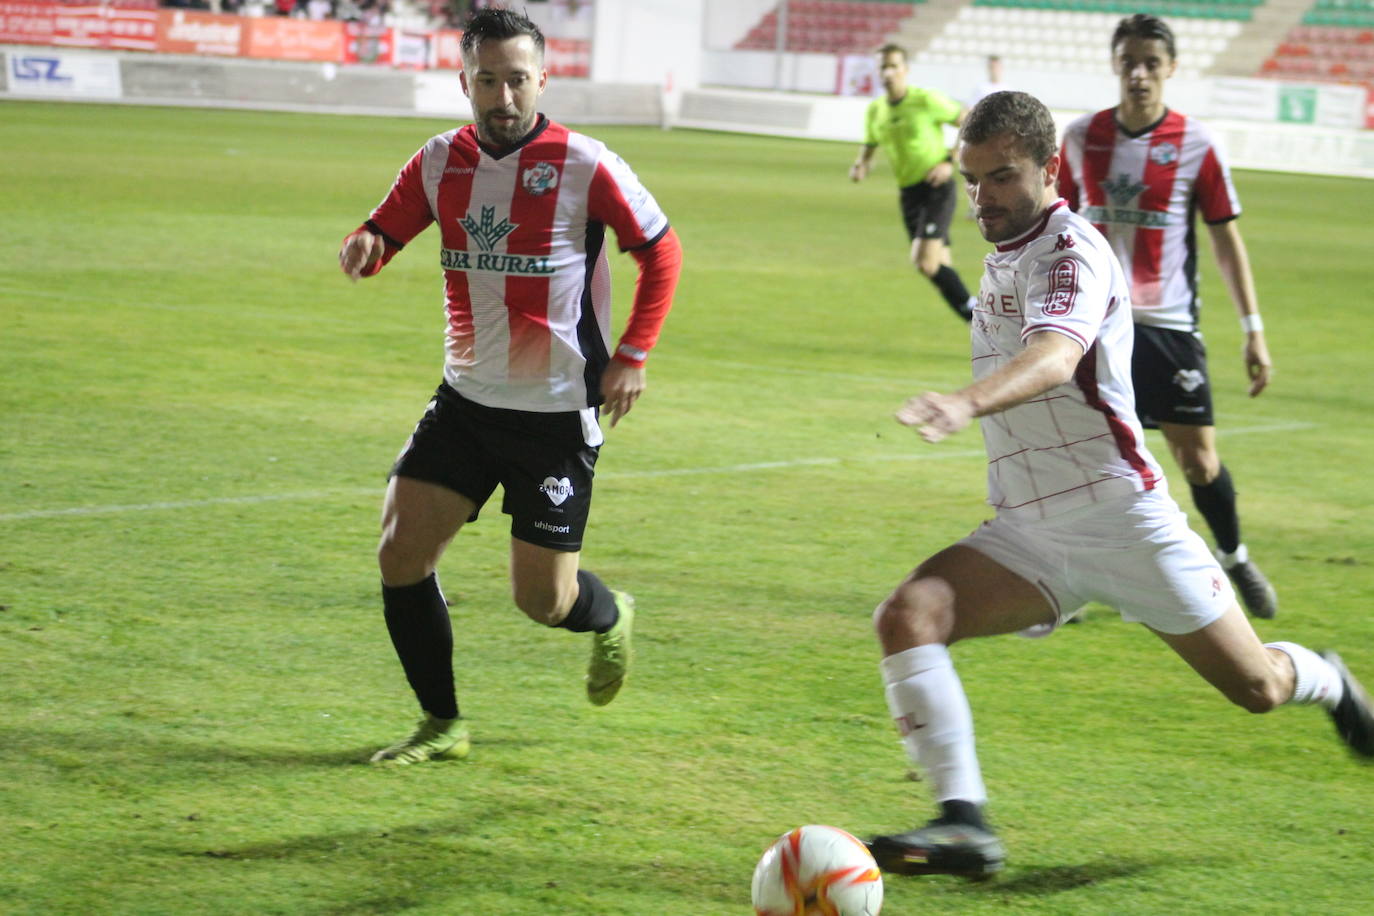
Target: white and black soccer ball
[[817, 871]]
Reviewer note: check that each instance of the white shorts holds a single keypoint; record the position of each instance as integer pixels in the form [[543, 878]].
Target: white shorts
[[1135, 554]]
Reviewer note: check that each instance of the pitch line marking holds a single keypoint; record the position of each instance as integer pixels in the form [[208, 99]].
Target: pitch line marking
[[936, 454]]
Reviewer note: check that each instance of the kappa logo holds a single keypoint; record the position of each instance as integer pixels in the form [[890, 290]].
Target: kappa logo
[[1122, 190], [486, 232], [1164, 154], [1064, 241], [557, 490], [540, 178], [1189, 380]]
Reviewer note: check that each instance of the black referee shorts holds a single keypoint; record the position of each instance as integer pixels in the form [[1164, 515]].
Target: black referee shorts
[[928, 210], [541, 460], [1169, 369]]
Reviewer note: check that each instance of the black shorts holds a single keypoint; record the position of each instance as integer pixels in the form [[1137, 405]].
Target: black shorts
[[928, 209], [1169, 369], [541, 460]]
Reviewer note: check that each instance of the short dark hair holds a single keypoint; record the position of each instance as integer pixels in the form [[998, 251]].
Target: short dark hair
[[891, 48], [1143, 25], [496, 23], [1019, 114]]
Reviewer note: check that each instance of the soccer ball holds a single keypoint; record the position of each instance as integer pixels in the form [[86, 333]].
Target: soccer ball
[[817, 871]]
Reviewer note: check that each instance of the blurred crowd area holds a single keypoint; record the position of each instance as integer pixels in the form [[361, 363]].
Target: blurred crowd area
[[429, 13]]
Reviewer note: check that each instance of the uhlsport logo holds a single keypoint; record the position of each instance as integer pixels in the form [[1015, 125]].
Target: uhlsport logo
[[557, 490], [540, 178], [486, 231]]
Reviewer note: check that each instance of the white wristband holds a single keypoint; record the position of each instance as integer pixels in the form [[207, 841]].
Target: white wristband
[[1251, 323]]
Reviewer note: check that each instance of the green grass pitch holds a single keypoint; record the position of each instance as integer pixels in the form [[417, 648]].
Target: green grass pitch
[[196, 415]]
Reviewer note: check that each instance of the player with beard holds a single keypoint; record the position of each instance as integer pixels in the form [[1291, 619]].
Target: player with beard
[[522, 205], [1139, 172], [1081, 508]]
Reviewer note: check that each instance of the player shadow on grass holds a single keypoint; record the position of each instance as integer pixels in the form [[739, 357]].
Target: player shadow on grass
[[1035, 880], [412, 855]]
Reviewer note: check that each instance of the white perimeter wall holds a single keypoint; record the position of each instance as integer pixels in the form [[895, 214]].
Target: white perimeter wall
[[648, 41]]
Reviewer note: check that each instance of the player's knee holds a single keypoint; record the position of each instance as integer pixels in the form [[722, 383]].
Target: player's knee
[[918, 612], [928, 266], [542, 604], [399, 562], [1199, 466]]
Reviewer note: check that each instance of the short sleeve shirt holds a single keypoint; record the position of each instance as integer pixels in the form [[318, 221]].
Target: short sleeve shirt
[[1080, 442], [1141, 191], [911, 131]]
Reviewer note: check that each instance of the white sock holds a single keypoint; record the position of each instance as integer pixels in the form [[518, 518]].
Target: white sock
[[1235, 558], [932, 713], [1317, 680]]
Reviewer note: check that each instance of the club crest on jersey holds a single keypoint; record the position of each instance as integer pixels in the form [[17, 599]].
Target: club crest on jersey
[[1164, 154], [486, 231], [1121, 189], [1063, 288], [557, 490], [540, 178]]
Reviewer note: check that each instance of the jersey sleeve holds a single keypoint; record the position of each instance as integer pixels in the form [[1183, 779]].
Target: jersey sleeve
[[871, 123], [1067, 186], [943, 108], [1215, 193], [1067, 290], [403, 213], [618, 199], [660, 264]]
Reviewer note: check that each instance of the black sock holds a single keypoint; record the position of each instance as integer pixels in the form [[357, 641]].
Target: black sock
[[947, 281], [957, 811], [594, 608], [417, 619], [1217, 503]]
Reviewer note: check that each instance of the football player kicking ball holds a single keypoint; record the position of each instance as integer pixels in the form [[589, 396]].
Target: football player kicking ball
[[1082, 512]]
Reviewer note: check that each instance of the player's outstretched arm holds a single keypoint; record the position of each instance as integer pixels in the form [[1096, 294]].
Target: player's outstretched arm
[[1234, 262], [1048, 361], [359, 252]]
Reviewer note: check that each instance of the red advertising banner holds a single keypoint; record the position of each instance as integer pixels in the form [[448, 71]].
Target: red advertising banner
[[27, 23], [444, 52], [567, 57], [189, 32], [562, 56], [130, 30], [367, 44], [78, 26], [295, 39], [1369, 108]]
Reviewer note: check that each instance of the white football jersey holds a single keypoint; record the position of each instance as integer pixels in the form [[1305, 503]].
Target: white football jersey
[[1080, 442]]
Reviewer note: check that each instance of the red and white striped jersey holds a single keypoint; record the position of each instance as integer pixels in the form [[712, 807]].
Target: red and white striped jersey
[[527, 284], [1079, 442], [1141, 191]]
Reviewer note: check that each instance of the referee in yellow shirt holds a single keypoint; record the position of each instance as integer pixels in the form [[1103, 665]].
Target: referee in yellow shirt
[[908, 123]]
